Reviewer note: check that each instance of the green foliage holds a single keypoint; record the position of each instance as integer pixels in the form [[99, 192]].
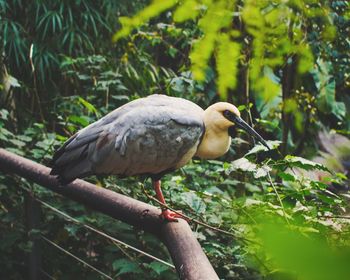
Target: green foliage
[[217, 16], [285, 65], [326, 86], [308, 257], [274, 29], [227, 58], [153, 10], [123, 266], [284, 47], [52, 28], [281, 209]]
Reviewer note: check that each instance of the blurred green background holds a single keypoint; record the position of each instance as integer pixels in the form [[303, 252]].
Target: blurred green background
[[283, 63]]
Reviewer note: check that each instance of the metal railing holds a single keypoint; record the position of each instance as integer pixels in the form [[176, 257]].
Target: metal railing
[[187, 255]]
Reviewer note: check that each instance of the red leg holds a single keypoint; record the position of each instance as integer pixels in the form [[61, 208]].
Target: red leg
[[167, 214]]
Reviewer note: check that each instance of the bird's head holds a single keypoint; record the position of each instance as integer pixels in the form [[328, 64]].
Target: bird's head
[[223, 116]]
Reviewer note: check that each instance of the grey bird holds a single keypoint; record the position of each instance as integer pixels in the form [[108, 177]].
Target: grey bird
[[149, 136]]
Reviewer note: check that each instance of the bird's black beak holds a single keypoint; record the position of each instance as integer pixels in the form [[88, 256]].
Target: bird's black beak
[[243, 125]]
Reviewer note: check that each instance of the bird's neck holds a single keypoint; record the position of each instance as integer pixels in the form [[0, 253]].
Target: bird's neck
[[214, 144]]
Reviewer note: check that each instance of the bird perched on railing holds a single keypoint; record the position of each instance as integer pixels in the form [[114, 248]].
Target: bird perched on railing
[[149, 136]]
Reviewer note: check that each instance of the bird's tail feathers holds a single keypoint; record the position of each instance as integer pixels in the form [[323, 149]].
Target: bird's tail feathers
[[69, 164], [70, 172]]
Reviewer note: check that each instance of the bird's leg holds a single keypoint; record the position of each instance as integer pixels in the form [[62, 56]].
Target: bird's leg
[[166, 213]]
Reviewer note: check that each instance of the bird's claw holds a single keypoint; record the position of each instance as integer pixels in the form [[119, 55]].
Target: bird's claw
[[171, 216]]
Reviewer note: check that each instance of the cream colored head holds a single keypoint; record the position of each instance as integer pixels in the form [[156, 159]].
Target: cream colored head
[[214, 116], [218, 118], [216, 140]]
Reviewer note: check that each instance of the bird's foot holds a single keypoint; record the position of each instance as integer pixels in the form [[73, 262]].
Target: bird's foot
[[171, 216]]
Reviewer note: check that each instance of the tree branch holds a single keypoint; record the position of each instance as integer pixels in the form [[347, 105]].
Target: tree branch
[[188, 257]]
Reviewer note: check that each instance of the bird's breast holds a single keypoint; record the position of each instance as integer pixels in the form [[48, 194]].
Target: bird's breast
[[213, 146]]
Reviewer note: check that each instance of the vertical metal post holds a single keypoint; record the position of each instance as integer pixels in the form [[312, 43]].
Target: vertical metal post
[[32, 222]]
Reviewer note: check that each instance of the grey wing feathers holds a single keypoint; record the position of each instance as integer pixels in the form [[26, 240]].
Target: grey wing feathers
[[146, 136], [70, 162]]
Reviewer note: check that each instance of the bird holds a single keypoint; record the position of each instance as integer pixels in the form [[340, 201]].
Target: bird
[[149, 136]]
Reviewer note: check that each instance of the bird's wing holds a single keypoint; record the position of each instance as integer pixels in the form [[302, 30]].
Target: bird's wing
[[155, 141], [92, 131], [146, 136]]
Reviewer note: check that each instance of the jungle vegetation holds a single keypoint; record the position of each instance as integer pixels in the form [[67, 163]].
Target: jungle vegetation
[[284, 63]]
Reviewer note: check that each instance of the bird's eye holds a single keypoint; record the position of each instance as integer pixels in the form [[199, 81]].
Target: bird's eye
[[227, 114]]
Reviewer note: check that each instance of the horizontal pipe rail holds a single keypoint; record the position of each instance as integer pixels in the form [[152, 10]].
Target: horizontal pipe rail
[[188, 257]]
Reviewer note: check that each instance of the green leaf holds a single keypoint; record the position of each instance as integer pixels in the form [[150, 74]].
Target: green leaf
[[172, 52], [194, 201], [286, 176], [242, 164], [252, 202], [188, 10], [306, 58], [123, 266], [158, 267], [304, 163], [12, 81], [154, 9], [79, 120], [91, 108], [72, 229], [326, 85], [6, 133], [273, 144], [321, 186], [217, 16], [4, 114], [18, 143], [226, 63], [268, 89], [262, 172], [24, 138], [200, 55]]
